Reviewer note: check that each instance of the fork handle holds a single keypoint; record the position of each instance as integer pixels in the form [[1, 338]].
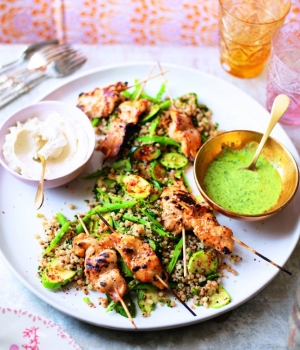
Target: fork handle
[[20, 89]]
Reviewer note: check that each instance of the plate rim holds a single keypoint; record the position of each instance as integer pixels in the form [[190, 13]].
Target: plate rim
[[185, 323]]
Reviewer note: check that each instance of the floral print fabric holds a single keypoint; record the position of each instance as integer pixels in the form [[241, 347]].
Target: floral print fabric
[[153, 22]]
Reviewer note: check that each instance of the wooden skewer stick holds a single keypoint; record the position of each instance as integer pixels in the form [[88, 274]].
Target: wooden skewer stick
[[143, 85], [249, 248], [143, 81], [83, 224], [260, 255], [121, 300], [161, 281], [107, 224], [165, 81], [125, 308], [184, 252], [175, 295]]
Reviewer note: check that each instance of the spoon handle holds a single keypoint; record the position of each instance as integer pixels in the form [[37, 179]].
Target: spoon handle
[[39, 197], [30, 49], [280, 105]]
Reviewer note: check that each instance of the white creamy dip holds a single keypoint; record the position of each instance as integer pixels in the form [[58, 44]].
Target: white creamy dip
[[59, 138]]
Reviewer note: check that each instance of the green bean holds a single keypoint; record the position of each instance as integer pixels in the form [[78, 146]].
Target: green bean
[[126, 93], [123, 164], [153, 126], [176, 255], [101, 172], [158, 224], [104, 209], [152, 99], [134, 219], [164, 140], [212, 276], [165, 105], [161, 91], [61, 218], [144, 222], [95, 121], [104, 196], [116, 199], [58, 237], [96, 225], [160, 231]]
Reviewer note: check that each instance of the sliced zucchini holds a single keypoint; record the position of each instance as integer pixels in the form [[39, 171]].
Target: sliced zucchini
[[203, 262], [54, 276], [136, 186], [158, 171], [174, 160], [219, 298], [147, 300], [146, 153]]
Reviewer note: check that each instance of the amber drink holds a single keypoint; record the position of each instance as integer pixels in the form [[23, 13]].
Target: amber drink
[[246, 28]]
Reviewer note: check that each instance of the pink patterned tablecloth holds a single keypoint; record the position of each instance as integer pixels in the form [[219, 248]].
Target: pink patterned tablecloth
[[154, 22]]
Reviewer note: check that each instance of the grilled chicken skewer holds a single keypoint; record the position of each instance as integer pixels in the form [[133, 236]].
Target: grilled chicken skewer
[[101, 102], [158, 278], [137, 255], [180, 211], [128, 114], [103, 272], [182, 130]]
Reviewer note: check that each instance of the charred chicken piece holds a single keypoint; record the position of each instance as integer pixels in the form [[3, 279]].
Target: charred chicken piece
[[137, 255], [102, 271], [128, 114], [181, 211], [140, 259], [182, 130], [100, 102], [100, 266]]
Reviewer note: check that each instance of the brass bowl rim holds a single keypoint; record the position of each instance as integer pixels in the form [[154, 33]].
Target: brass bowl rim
[[230, 213]]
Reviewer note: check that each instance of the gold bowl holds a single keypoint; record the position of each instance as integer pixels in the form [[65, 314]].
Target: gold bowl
[[273, 151]]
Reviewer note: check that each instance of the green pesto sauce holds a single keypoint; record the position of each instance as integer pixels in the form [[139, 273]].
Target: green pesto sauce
[[242, 191]]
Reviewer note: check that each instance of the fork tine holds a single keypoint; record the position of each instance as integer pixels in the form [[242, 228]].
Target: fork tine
[[75, 63]]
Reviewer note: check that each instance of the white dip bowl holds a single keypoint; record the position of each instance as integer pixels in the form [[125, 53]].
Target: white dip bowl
[[42, 110]]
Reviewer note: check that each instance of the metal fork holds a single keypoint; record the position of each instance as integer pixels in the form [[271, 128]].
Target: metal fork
[[37, 60], [64, 64]]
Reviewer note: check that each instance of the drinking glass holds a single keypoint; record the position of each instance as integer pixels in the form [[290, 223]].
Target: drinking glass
[[284, 70], [246, 28]]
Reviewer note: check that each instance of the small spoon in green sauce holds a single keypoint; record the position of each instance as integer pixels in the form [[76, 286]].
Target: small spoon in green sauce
[[280, 105]]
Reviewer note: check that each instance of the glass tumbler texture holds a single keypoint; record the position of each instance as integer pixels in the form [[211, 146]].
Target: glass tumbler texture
[[246, 28], [284, 70]]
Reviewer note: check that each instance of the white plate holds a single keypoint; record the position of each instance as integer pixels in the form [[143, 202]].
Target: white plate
[[25, 330], [232, 109]]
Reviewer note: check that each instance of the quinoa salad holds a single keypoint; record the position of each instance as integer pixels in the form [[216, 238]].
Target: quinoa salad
[[144, 195]]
